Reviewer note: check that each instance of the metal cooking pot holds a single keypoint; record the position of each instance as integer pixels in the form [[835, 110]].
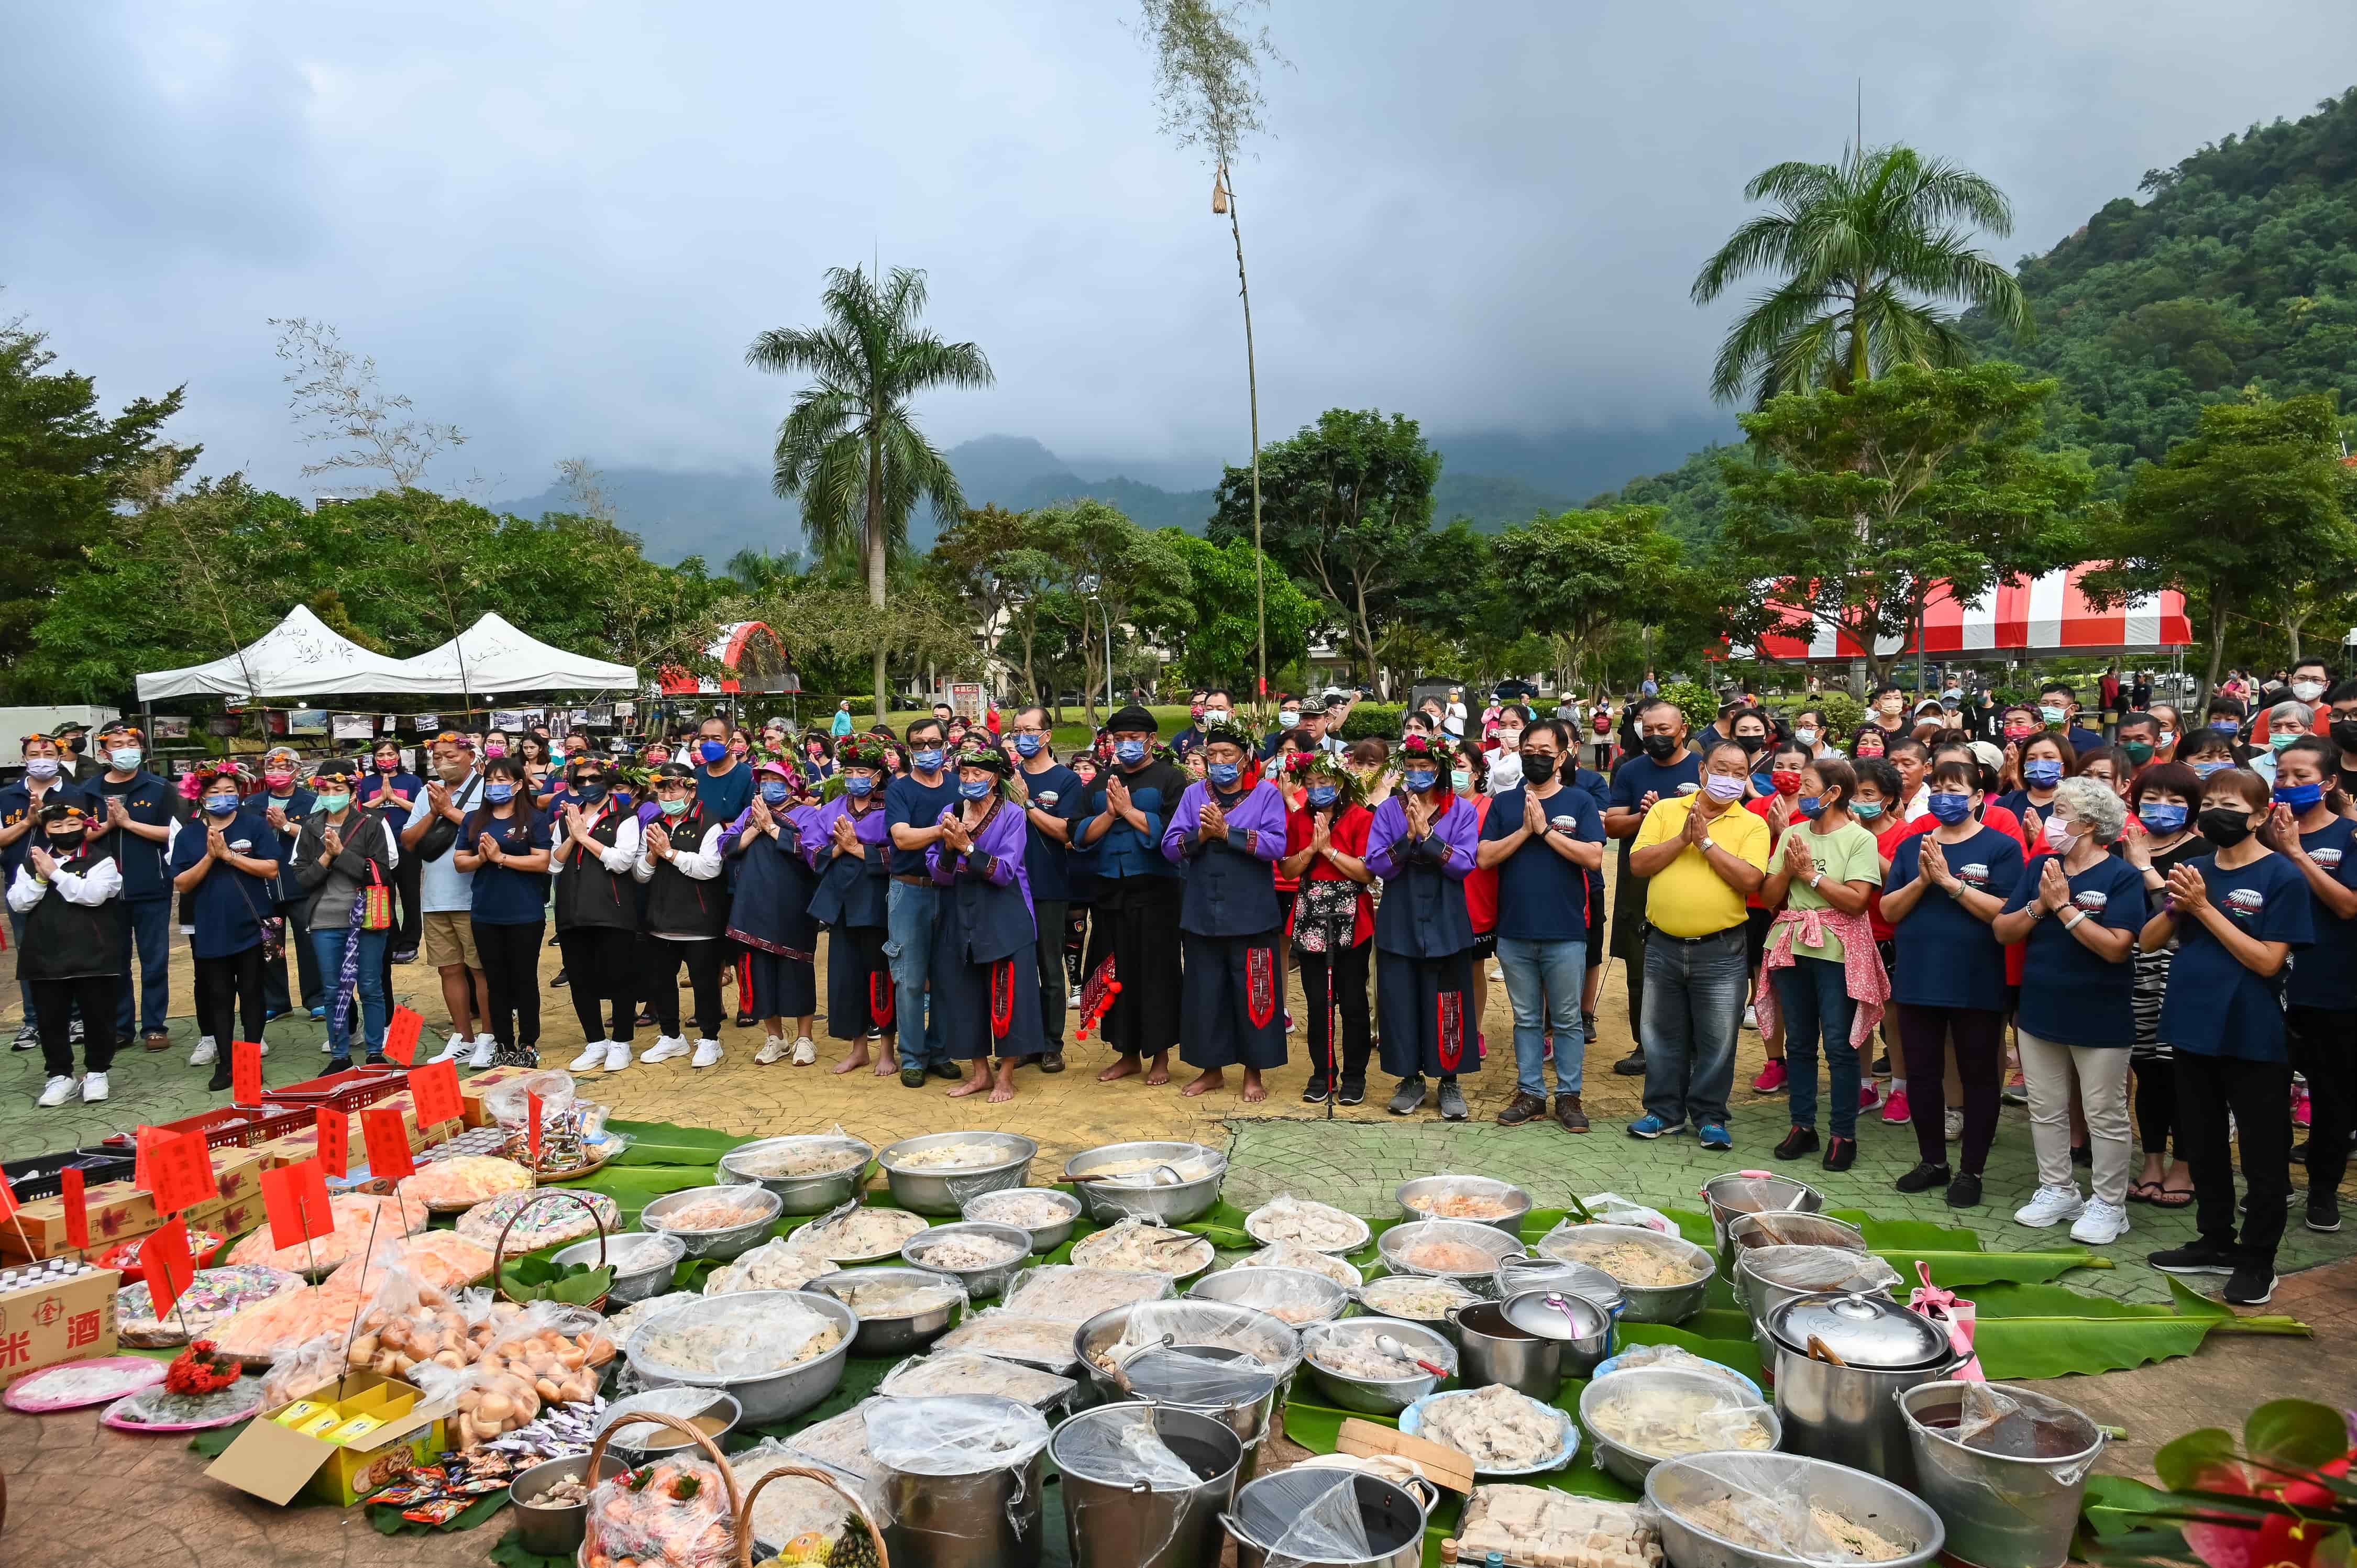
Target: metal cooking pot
[[1797, 1230], [2010, 1499], [1495, 1350], [1116, 1521], [1764, 1192], [1849, 1414], [1263, 1509]]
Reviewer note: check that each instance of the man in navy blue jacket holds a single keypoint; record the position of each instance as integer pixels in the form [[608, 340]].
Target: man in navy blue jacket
[[134, 809]]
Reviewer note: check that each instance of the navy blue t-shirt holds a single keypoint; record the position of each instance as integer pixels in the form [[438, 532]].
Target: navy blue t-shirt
[[2069, 995], [2018, 801], [16, 804], [146, 799], [1541, 896], [1639, 775], [2215, 1007], [408, 786], [2326, 975], [1946, 958], [504, 895], [910, 802], [727, 797], [225, 911], [1594, 786], [1052, 791]]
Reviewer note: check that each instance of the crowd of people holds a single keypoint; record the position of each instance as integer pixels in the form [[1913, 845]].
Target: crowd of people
[[2161, 918]]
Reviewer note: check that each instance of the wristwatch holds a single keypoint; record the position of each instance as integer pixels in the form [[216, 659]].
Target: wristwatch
[[1820, 876], [1707, 844]]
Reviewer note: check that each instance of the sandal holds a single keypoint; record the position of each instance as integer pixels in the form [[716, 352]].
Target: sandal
[[2183, 1196], [2144, 1191]]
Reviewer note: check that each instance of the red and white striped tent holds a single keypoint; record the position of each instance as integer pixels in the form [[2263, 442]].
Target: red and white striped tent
[[2045, 614]]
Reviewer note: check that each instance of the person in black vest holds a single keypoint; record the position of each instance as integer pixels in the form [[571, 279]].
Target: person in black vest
[[681, 854], [1228, 833], [986, 965], [1117, 826], [72, 948], [284, 802], [849, 847], [597, 912], [770, 916]]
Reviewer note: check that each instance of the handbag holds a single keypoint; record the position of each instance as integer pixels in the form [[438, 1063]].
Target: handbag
[[442, 833], [376, 903]]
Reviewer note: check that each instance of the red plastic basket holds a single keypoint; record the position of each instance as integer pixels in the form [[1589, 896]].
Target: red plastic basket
[[236, 1126], [345, 1090]]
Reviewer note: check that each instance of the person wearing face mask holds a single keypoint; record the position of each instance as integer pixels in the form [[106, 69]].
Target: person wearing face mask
[[1117, 841], [724, 785], [818, 759], [1333, 921], [46, 783], [2165, 798], [985, 974], [1774, 808], [594, 847], [1227, 834], [433, 831], [344, 860], [1881, 787], [2237, 915], [1662, 769], [680, 857], [221, 864], [2057, 712], [2045, 761], [1191, 737], [2284, 724], [1467, 780], [68, 946], [2169, 731], [849, 846], [769, 911], [2225, 716], [1052, 791], [1886, 712], [504, 850], [1423, 844], [2310, 680], [2139, 741], [1813, 732], [914, 805], [1288, 720], [2338, 725], [283, 802], [133, 812], [2306, 826]]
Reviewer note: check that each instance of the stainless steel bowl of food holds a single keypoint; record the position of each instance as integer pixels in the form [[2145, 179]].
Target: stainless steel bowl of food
[[1241, 1330], [1295, 1296], [1705, 1523], [1464, 1251], [976, 1252], [550, 1518], [898, 1310], [939, 1172], [696, 1218], [642, 1262], [1483, 1200], [1168, 1182], [809, 1172], [1663, 1278], [1637, 1419], [764, 1396], [1047, 1214], [1343, 1359]]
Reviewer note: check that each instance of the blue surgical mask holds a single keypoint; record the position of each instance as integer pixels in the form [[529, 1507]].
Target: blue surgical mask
[[1420, 779], [1223, 774], [1324, 794], [125, 757], [1808, 805], [2161, 817], [2298, 796], [2204, 769], [2051, 714], [927, 762], [672, 808], [499, 794], [713, 750], [1864, 811], [1951, 808], [1129, 750], [974, 788], [857, 783], [775, 791], [2043, 771], [222, 805], [2225, 726], [1028, 745], [1764, 782]]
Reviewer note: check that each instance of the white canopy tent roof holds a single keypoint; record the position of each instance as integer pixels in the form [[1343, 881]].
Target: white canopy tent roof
[[298, 657], [493, 655]]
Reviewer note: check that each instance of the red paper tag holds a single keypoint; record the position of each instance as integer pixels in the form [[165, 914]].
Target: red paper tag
[[142, 1157], [532, 1125], [401, 1035], [245, 1072], [295, 1199], [164, 1259], [335, 1140], [77, 1209], [183, 1168], [388, 1143], [8, 1195], [435, 1087]]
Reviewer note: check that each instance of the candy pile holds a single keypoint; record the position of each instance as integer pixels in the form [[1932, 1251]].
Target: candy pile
[[435, 1494]]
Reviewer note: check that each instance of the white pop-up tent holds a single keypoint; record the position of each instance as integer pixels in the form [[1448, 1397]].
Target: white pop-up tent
[[493, 655], [299, 657]]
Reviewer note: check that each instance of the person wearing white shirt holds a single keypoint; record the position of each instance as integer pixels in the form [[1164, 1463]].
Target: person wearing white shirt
[[447, 897], [1453, 717], [680, 857], [72, 948]]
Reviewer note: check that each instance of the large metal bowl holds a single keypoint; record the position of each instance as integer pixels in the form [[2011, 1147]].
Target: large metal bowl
[[555, 1529], [1167, 1205], [1699, 1479], [638, 1441], [1795, 1229], [723, 1244], [810, 1194], [892, 1335], [1647, 1304], [771, 1397], [1256, 1226], [1730, 1197], [1253, 1287], [1044, 1238], [1396, 1243], [1215, 1323], [947, 1192], [1377, 1396], [1511, 1223], [1631, 1465], [980, 1282], [663, 1248]]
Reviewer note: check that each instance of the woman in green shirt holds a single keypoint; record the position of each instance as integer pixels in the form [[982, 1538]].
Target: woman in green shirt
[[1819, 878]]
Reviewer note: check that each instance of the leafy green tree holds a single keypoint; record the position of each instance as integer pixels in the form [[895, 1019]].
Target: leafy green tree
[[850, 448], [1120, 576], [2257, 503], [1570, 579], [1215, 640], [1862, 248], [1004, 565], [1917, 485]]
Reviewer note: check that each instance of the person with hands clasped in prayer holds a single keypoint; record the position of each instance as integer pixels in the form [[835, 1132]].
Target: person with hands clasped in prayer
[[597, 912], [504, 850], [680, 855], [1228, 833], [769, 915], [1117, 835], [69, 947], [849, 846], [221, 864], [986, 972], [1423, 844], [2307, 827], [1333, 921]]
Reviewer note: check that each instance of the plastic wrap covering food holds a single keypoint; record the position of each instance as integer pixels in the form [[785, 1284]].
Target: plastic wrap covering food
[[862, 1234], [840, 1441], [720, 1210], [1645, 1261], [782, 1262], [1197, 1326], [551, 1218], [1819, 1268], [443, 1258], [1292, 1295], [1197, 1377], [1349, 1348], [1010, 1336], [1068, 1292], [1121, 1447], [949, 1374], [973, 1154], [1474, 1198], [975, 1437], [463, 1180], [1662, 1417], [1318, 1226], [1415, 1297], [1496, 1427], [1767, 1509], [356, 1215], [623, 1324], [967, 1250], [1303, 1516], [730, 1339], [212, 1296], [1139, 1244], [796, 1511], [815, 1155], [2021, 1423], [409, 1321], [1750, 1194], [680, 1403], [1033, 1209], [1171, 1171], [1538, 1524], [673, 1512], [510, 1103], [1293, 1255], [546, 1355], [875, 1293], [299, 1368], [1674, 1359], [1611, 1208]]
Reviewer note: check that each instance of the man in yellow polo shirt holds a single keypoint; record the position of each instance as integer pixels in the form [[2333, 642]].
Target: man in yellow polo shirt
[[1702, 853]]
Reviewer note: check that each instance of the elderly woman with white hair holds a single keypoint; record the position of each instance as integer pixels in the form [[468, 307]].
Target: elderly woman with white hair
[[2077, 909], [2286, 722]]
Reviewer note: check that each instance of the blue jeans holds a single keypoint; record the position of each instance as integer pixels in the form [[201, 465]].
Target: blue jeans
[[328, 947], [1543, 983], [145, 924], [1814, 994], [912, 913], [1694, 1009]]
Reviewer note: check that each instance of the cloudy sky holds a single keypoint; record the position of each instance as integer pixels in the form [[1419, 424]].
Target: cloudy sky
[[558, 225]]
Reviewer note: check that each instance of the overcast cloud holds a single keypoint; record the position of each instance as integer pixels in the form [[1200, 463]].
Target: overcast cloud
[[559, 225]]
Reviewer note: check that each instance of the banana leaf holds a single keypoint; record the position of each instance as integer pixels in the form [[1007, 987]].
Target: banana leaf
[[2029, 1331], [668, 1143]]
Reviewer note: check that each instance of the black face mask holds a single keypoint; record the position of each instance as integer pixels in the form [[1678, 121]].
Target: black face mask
[[1660, 747], [66, 843], [1750, 743], [2222, 827], [590, 788], [2344, 733]]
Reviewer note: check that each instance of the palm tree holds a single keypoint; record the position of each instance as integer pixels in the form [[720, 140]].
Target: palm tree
[[1865, 245], [851, 448]]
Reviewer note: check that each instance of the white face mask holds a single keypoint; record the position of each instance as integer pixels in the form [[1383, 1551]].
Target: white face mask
[[2308, 690], [1214, 716]]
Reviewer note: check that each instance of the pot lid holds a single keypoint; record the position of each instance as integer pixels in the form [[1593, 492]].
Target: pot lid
[[1578, 1317], [1863, 1330], [1517, 1275]]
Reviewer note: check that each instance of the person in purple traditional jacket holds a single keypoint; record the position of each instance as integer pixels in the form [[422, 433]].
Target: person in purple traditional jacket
[[848, 846], [985, 966], [770, 917], [1228, 833], [1422, 845]]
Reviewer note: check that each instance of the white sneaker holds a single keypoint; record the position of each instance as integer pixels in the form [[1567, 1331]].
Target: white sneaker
[[1955, 1124], [773, 1049], [805, 1051], [59, 1091], [265, 1047], [707, 1054], [1073, 1000], [451, 1051], [486, 1049], [93, 1088], [2051, 1206], [593, 1054], [206, 1052], [1750, 1018], [665, 1048], [618, 1054], [2101, 1224], [325, 1047]]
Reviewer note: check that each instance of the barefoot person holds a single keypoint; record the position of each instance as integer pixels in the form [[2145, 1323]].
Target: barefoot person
[[849, 848], [1228, 833], [1135, 916], [985, 969], [1423, 844], [770, 917]]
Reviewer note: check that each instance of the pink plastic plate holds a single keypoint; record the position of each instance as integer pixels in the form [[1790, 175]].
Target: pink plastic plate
[[75, 1384]]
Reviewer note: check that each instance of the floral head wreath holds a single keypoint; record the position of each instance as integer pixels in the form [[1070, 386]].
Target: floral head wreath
[[1322, 767], [981, 751], [860, 751], [1231, 732], [193, 782]]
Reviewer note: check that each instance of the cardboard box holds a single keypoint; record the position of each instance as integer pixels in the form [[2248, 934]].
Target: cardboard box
[[421, 1134], [70, 1320], [470, 1092], [121, 1212], [279, 1464]]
